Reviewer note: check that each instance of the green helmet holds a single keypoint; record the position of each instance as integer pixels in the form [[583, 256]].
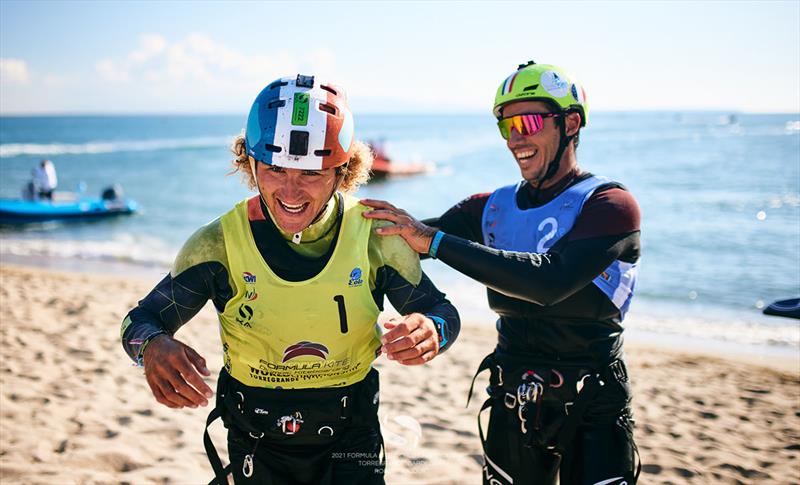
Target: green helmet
[[537, 82]]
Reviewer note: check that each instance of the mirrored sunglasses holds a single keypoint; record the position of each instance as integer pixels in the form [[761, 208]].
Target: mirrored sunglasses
[[526, 124]]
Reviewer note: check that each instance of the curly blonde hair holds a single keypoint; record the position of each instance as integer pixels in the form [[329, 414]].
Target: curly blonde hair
[[356, 172]]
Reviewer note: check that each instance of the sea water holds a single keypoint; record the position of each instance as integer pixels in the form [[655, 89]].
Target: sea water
[[719, 195]]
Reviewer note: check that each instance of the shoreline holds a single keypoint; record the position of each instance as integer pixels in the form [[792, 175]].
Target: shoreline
[[779, 357]]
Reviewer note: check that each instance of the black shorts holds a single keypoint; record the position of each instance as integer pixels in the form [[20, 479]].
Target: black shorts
[[303, 436], [355, 457], [602, 449]]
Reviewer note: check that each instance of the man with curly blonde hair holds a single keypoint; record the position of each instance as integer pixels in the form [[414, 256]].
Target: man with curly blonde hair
[[298, 279]]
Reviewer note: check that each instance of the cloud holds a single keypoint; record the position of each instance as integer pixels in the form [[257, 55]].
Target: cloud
[[150, 45], [196, 59], [111, 71], [14, 71], [198, 73]]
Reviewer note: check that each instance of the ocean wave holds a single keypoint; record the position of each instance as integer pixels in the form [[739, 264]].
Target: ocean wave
[[8, 150], [745, 330], [143, 251]]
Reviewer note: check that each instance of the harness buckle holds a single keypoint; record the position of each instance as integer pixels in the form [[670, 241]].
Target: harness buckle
[[527, 392], [618, 370], [560, 378], [343, 414], [247, 466], [522, 420], [290, 424], [510, 400], [579, 385]]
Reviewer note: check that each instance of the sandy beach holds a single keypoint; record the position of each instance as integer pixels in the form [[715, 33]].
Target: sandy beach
[[73, 409]]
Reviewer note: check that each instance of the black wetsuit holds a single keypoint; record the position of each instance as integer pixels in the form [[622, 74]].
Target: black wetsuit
[[555, 322], [353, 454]]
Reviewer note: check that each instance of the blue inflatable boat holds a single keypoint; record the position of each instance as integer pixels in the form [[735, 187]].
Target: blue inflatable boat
[[27, 211]]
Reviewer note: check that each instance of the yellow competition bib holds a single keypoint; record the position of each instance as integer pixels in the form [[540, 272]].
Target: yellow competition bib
[[321, 332]]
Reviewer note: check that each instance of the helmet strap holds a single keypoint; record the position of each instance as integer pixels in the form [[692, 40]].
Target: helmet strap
[[554, 164]]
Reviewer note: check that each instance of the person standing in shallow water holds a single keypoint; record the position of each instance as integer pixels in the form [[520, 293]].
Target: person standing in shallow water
[[45, 180], [298, 279], [559, 255]]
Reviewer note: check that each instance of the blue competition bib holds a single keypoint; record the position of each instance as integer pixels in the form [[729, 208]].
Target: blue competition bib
[[505, 226]]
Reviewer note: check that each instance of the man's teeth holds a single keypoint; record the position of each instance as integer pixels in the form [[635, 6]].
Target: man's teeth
[[525, 154], [292, 208]]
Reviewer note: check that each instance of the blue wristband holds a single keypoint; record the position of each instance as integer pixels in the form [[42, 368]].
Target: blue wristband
[[440, 323], [437, 238]]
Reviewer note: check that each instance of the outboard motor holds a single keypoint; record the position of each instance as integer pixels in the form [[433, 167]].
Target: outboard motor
[[112, 193]]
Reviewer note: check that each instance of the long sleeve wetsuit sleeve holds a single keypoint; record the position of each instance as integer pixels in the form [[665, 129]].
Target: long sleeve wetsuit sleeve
[[544, 279], [172, 303], [607, 229], [422, 298]]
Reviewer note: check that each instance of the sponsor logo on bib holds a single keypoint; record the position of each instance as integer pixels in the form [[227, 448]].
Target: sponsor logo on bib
[[249, 286], [355, 277], [305, 348]]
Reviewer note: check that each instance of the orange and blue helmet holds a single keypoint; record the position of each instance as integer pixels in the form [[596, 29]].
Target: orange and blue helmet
[[300, 123]]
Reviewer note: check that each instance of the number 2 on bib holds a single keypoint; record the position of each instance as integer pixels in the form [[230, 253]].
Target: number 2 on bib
[[553, 223]]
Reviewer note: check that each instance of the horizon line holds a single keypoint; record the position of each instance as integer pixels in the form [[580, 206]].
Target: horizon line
[[79, 114]]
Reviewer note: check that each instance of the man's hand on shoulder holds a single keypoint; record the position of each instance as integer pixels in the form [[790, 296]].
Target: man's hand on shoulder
[[417, 235]]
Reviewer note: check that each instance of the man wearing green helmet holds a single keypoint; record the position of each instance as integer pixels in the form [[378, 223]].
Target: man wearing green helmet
[[558, 253]]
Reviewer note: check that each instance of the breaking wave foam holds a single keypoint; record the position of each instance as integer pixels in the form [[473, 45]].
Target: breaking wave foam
[[125, 249], [8, 150]]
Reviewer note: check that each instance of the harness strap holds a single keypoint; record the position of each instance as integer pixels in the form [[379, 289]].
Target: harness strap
[[220, 472], [639, 460], [495, 380], [486, 404], [486, 363]]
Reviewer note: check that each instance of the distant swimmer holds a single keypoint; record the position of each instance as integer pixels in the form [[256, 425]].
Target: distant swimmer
[[298, 278], [559, 253]]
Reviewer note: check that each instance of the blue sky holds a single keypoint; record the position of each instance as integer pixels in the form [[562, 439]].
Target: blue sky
[[214, 57]]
